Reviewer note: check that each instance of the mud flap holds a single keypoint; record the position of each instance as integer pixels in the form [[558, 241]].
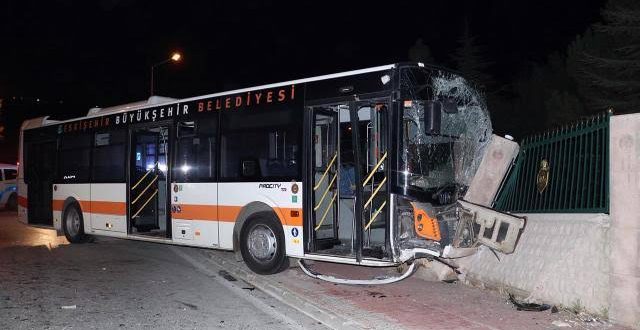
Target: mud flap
[[373, 281], [497, 230]]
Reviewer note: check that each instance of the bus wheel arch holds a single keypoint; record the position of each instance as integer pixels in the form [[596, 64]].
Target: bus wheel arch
[[246, 212], [258, 239], [73, 221]]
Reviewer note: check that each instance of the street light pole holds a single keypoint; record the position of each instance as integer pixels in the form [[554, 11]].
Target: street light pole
[[175, 58]]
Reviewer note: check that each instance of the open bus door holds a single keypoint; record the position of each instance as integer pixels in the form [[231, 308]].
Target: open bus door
[[148, 181], [348, 192], [41, 156]]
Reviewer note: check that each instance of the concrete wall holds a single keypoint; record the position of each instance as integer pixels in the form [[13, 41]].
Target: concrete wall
[[587, 259], [560, 258], [625, 212]]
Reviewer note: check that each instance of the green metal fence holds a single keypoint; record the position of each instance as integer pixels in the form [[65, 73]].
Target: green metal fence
[[565, 170]]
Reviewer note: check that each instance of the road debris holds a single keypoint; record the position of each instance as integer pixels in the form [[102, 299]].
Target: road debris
[[530, 307], [68, 307], [561, 324], [227, 276]]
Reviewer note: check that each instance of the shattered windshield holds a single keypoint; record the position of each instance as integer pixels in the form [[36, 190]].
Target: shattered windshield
[[449, 157]]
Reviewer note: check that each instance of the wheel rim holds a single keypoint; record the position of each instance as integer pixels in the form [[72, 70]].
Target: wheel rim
[[262, 243], [73, 222]]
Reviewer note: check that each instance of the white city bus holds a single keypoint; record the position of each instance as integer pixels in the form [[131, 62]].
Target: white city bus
[[361, 167]]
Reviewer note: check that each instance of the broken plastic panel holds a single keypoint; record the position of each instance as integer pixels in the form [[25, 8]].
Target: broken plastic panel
[[494, 229]]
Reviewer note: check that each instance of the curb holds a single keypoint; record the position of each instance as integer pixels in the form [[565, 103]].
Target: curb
[[280, 292]]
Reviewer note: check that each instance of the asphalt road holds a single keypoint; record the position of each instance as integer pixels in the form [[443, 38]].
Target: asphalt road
[[46, 283]]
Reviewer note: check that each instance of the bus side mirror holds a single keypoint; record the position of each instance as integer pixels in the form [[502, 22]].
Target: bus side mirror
[[432, 117]]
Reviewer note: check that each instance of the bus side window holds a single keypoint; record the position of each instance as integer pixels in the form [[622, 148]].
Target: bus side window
[[196, 152], [377, 136], [75, 158], [184, 166], [109, 156], [262, 144]]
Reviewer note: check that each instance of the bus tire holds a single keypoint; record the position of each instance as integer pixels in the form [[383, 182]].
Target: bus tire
[[262, 244], [72, 224], [12, 202]]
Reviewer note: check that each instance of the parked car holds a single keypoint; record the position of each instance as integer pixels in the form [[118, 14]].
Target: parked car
[[8, 193]]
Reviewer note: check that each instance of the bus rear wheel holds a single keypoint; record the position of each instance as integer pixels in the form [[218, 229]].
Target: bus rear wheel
[[72, 224], [262, 244]]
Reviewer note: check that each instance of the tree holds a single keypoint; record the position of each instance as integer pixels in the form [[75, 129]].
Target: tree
[[469, 60], [607, 59], [562, 107]]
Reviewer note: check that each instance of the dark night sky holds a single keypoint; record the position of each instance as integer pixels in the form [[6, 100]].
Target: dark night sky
[[99, 52]]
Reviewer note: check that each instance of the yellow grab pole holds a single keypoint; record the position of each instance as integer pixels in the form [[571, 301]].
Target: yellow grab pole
[[375, 192], [324, 216], [145, 204], [326, 171], [374, 169], [325, 192], [375, 215]]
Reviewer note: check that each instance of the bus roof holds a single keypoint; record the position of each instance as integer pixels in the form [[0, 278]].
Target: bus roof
[[143, 104]]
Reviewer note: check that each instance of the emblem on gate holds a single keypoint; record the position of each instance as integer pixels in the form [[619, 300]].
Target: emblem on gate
[[542, 179]]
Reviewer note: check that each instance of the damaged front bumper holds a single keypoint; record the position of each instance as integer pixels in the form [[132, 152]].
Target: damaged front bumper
[[424, 231]]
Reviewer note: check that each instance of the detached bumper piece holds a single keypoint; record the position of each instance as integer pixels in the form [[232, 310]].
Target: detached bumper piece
[[497, 230]]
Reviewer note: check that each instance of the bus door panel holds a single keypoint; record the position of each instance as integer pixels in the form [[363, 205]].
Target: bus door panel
[[372, 143], [194, 213], [108, 211], [194, 190], [333, 181], [349, 180], [41, 158], [325, 175], [148, 193]]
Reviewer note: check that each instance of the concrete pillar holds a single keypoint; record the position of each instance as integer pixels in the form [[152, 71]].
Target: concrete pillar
[[492, 171], [625, 219]]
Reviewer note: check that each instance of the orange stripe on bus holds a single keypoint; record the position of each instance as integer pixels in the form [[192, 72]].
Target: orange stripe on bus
[[287, 217], [85, 206], [57, 204], [115, 208], [207, 212], [222, 213], [100, 207], [228, 213], [194, 211]]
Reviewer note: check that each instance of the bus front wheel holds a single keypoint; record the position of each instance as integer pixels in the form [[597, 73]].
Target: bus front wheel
[[72, 224], [262, 244]]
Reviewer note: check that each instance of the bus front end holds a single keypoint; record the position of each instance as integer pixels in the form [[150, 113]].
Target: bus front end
[[443, 132]]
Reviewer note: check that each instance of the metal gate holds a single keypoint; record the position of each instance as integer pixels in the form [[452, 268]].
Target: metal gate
[[564, 170]]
